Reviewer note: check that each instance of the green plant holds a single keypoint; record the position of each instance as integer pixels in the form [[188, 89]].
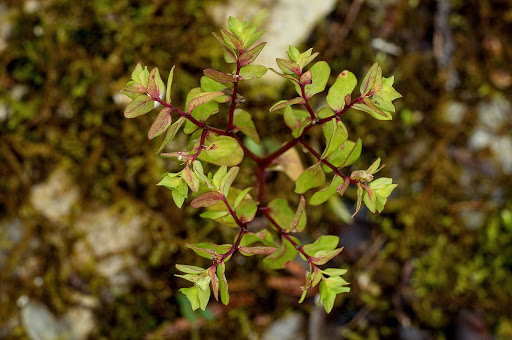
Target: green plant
[[224, 148]]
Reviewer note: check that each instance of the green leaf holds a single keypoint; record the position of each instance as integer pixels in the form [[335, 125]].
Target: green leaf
[[210, 85], [221, 148], [359, 198], [198, 170], [328, 294], [203, 98], [139, 106], [221, 172], [225, 150], [220, 77], [312, 177], [324, 256], [203, 294], [293, 78], [180, 194], [155, 84], [206, 199], [284, 103], [247, 211], [306, 57], [177, 185], [169, 83], [190, 178], [345, 155], [209, 250], [161, 123], [252, 72], [227, 180], [240, 197], [192, 295], [296, 120], [189, 269], [323, 195], [171, 133], [327, 297], [223, 283], [250, 251], [344, 85], [229, 54], [136, 72], [299, 217], [284, 216], [263, 236], [335, 281], [236, 26], [323, 243], [320, 75], [214, 214], [334, 271], [336, 134], [250, 39], [202, 113], [293, 53], [372, 80], [170, 180], [370, 199], [243, 122], [280, 258], [369, 107], [381, 189], [249, 56]]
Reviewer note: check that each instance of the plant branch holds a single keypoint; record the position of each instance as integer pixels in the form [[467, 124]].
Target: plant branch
[[264, 211], [233, 99]]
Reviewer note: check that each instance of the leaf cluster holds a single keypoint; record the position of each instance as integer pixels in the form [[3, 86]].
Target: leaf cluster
[[222, 150]]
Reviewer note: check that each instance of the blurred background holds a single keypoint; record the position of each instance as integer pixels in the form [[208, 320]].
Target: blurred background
[[88, 242]]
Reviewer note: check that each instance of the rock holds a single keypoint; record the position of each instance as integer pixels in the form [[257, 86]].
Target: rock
[[455, 111], [12, 232], [112, 240], [289, 327], [494, 114], [289, 22], [40, 324], [55, 197]]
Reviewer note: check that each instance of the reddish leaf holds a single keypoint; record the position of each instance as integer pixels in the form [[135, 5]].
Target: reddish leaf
[[229, 36], [155, 84], [161, 123], [190, 178], [133, 90], [284, 103], [288, 67], [203, 98], [220, 76], [249, 56], [306, 78], [206, 199], [229, 56], [214, 281], [249, 251], [139, 106]]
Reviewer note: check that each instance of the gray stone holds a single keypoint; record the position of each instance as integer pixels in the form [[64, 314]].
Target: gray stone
[[289, 327], [288, 22], [55, 197]]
